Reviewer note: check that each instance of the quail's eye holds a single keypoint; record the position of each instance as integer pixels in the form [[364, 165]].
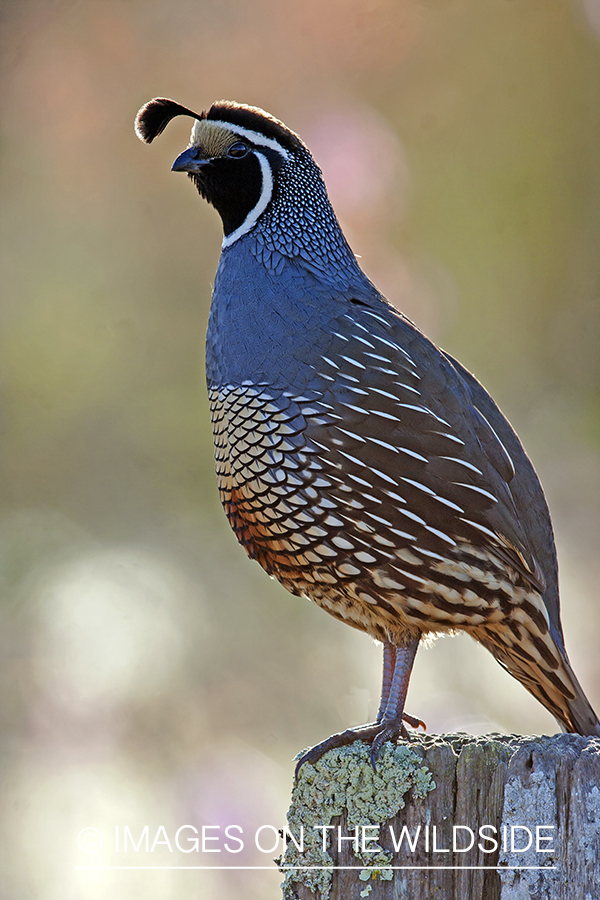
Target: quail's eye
[[237, 150]]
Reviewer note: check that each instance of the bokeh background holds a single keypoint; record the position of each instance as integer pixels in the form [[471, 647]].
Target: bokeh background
[[151, 674]]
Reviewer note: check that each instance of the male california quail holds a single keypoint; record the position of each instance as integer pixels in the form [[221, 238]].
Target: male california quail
[[359, 464]]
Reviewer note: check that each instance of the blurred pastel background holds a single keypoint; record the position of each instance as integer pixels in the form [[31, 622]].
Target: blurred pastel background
[[151, 674]]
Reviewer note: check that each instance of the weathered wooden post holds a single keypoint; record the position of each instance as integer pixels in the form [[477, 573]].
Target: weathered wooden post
[[453, 817]]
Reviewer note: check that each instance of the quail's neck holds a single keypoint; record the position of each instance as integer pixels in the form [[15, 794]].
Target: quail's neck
[[300, 226]]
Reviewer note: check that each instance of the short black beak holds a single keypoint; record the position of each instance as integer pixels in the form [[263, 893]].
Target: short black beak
[[190, 161]]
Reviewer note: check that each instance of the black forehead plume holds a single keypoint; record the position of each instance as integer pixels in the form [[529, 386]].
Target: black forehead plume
[[153, 118]]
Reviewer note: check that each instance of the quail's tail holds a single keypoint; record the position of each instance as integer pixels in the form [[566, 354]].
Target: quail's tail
[[581, 719], [543, 668]]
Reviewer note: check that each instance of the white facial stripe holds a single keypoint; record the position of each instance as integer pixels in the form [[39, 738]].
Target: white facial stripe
[[254, 136], [265, 196]]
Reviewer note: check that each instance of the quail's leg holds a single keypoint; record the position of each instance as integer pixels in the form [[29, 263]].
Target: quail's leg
[[391, 717], [397, 666], [389, 664]]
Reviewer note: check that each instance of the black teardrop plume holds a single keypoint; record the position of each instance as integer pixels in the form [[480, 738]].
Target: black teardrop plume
[[154, 116]]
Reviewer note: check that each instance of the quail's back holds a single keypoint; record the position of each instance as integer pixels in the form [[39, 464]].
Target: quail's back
[[358, 463]]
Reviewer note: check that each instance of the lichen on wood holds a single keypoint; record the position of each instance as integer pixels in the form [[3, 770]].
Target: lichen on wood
[[343, 782], [498, 817]]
